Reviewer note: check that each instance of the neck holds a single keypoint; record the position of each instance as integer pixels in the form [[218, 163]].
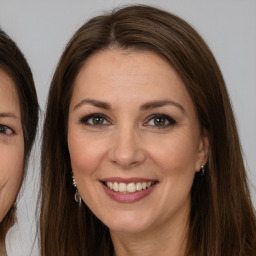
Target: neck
[[168, 238]]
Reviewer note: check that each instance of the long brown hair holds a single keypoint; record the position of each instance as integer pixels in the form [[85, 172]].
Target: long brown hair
[[13, 62], [222, 221]]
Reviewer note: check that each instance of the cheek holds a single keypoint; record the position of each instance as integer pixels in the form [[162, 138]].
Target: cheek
[[176, 154], [85, 153], [11, 164], [11, 173], [175, 159]]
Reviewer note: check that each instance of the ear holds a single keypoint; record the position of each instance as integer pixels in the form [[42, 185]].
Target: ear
[[203, 150]]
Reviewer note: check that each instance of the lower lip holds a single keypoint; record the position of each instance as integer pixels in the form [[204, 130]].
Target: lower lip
[[128, 197]]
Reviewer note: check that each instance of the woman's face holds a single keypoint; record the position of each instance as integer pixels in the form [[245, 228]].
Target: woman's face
[[11, 144], [134, 140]]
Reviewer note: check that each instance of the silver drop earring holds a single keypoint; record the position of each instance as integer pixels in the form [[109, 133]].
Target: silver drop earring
[[77, 197], [202, 169]]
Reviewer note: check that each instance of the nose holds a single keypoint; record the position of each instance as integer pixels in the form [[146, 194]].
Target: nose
[[126, 148]]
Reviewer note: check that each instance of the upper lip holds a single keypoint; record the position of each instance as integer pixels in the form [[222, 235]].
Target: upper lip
[[127, 180]]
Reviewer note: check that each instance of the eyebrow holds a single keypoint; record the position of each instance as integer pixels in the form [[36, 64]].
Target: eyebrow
[[96, 103], [5, 114], [145, 106], [161, 103]]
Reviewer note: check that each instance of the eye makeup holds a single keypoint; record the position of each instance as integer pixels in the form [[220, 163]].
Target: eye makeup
[[95, 119], [160, 121]]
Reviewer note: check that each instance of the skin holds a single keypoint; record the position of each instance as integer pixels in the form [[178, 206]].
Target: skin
[[130, 143], [11, 144]]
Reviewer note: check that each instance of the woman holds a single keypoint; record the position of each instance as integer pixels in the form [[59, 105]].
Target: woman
[[139, 127], [18, 123]]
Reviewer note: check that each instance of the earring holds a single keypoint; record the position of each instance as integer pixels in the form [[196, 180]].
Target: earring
[[202, 169], [77, 196]]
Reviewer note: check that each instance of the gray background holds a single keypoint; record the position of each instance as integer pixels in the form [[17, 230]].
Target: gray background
[[42, 28]]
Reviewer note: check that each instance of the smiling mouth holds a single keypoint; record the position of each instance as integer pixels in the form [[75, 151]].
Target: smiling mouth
[[131, 187]]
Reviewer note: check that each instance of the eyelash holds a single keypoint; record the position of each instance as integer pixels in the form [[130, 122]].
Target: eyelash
[[86, 120], [160, 117], [4, 130], [164, 120]]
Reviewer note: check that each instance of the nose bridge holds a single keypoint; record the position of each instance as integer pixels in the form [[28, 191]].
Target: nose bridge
[[126, 149]]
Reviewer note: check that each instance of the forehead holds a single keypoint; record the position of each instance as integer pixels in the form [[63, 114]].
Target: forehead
[[129, 63], [141, 75], [9, 100]]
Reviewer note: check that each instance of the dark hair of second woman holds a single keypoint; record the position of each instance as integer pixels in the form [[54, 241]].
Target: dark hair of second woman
[[222, 220], [13, 62]]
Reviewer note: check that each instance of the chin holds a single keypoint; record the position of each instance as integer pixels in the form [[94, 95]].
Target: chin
[[128, 223], [128, 229]]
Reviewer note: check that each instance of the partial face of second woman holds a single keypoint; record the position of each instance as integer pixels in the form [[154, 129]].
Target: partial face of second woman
[[134, 140], [11, 144]]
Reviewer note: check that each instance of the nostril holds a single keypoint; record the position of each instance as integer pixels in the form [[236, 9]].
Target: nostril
[[134, 164]]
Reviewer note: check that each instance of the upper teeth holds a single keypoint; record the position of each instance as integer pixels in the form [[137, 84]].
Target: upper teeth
[[130, 187]]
